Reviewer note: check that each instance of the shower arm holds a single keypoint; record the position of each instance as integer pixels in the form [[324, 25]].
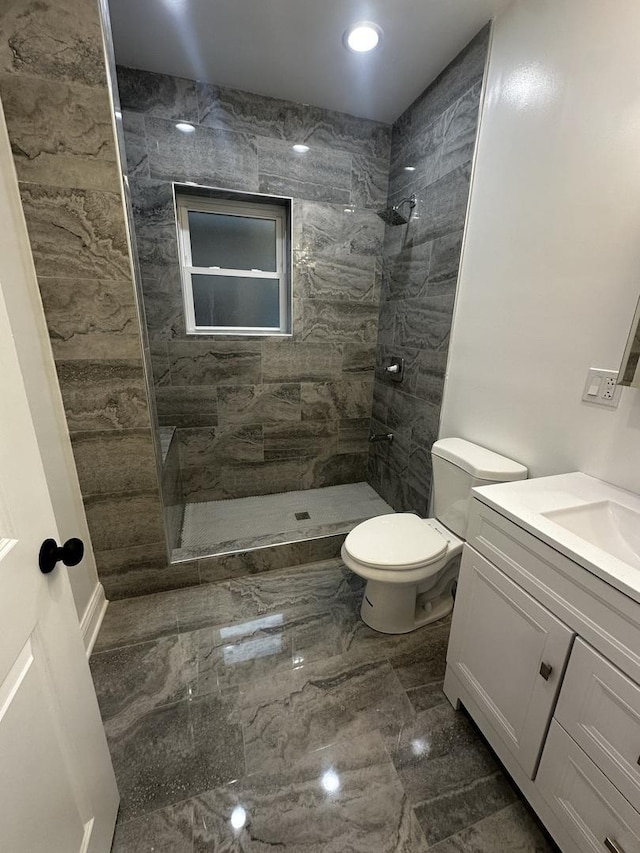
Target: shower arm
[[410, 199]]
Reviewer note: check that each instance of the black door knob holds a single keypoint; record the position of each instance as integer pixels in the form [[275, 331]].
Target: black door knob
[[50, 553]]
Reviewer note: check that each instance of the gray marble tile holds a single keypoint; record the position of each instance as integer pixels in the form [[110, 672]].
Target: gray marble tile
[[257, 649], [241, 479], [424, 428], [291, 809], [168, 830], [327, 230], [137, 620], [424, 323], [103, 394], [122, 520], [133, 680], [61, 133], [207, 445], [349, 277], [246, 549], [174, 752], [427, 696], [406, 274], [76, 233], [259, 403], [267, 559], [431, 367], [395, 490], [291, 714], [184, 401], [369, 181], [353, 435], [346, 398], [152, 203], [135, 143], [203, 482], [358, 358], [320, 174], [244, 112], [314, 587], [422, 152], [238, 654], [466, 69], [138, 570], [336, 470], [300, 439], [164, 315], [158, 256], [207, 156], [89, 318], [289, 361], [419, 470], [159, 363], [347, 132], [115, 461], [60, 40], [511, 830], [447, 771], [387, 323], [215, 363], [445, 261], [338, 321], [441, 207], [461, 122], [157, 94]]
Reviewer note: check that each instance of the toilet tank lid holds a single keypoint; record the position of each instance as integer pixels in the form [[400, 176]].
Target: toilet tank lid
[[481, 463]]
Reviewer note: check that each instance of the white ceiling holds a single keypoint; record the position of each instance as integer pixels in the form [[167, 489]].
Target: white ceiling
[[293, 49]]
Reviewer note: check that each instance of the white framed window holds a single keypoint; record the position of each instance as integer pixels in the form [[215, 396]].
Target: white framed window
[[233, 263]]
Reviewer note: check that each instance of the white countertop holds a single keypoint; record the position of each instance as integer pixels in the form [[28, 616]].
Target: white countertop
[[524, 503]]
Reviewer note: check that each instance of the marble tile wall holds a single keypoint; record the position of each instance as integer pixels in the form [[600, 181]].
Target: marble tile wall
[[435, 136], [53, 87], [254, 415]]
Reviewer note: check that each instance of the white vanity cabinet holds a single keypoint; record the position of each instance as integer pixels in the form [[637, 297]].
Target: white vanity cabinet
[[545, 657]]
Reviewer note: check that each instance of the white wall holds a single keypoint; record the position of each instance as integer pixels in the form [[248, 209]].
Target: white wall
[[39, 375], [550, 273]]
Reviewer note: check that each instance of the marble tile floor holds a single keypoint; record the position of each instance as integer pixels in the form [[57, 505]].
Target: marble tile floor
[[225, 526], [261, 713]]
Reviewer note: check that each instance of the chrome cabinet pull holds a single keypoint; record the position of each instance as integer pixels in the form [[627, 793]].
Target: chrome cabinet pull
[[611, 846], [545, 670]]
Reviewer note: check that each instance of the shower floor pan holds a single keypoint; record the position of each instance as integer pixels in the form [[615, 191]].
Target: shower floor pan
[[241, 524]]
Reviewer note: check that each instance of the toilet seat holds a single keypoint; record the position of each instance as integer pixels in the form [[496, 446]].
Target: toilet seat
[[397, 542]]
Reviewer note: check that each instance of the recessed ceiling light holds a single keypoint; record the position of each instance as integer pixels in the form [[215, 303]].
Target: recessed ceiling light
[[300, 149], [362, 37], [409, 168], [184, 127]]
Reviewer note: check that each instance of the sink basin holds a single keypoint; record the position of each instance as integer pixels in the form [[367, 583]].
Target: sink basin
[[607, 525]]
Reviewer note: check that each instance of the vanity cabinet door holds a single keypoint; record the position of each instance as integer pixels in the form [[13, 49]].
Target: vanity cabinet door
[[600, 708], [595, 814], [510, 653]]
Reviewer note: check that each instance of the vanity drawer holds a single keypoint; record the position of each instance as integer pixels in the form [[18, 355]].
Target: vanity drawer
[[600, 708], [595, 814]]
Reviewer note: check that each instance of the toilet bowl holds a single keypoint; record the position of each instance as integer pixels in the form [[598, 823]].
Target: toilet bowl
[[410, 563]]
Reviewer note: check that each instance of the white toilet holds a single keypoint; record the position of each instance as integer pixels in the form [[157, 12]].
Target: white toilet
[[411, 563]]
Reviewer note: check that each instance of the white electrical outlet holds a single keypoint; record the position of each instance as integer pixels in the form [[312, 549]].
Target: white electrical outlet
[[601, 388]]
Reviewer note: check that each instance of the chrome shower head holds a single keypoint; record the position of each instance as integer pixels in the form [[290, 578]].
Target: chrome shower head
[[392, 215]]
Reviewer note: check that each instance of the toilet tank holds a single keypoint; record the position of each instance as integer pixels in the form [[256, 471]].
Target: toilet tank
[[458, 466]]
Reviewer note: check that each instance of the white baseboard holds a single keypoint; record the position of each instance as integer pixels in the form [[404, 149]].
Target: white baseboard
[[92, 618]]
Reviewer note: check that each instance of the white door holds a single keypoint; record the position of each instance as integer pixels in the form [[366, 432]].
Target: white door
[[510, 653], [57, 787]]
